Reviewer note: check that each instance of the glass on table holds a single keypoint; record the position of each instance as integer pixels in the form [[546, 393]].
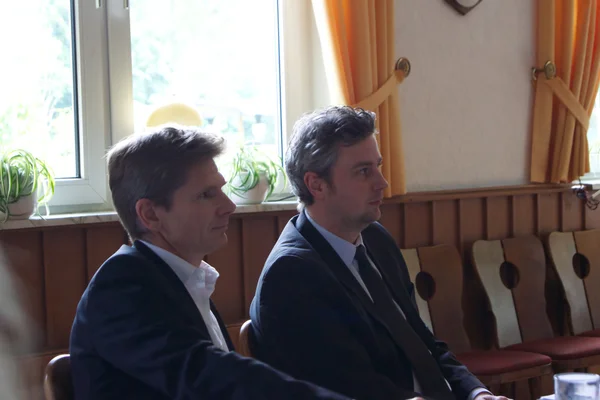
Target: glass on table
[[576, 386]]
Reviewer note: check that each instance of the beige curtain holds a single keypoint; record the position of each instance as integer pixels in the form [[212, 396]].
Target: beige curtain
[[357, 37], [568, 35]]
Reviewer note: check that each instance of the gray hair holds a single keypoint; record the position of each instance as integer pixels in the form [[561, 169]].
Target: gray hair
[[315, 141], [153, 166]]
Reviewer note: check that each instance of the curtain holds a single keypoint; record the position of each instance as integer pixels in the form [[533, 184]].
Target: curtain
[[357, 38], [568, 35]]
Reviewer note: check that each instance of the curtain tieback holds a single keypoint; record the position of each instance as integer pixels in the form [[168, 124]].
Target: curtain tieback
[[401, 71], [562, 91]]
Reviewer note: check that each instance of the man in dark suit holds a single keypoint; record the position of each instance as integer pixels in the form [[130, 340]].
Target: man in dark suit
[[334, 304], [145, 327]]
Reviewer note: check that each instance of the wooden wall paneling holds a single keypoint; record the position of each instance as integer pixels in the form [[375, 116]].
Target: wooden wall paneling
[[65, 279], [524, 217], [417, 224], [283, 218], [548, 215], [391, 219], [471, 223], [445, 222], [592, 218], [572, 213], [100, 243], [259, 234], [498, 217], [23, 254], [229, 292]]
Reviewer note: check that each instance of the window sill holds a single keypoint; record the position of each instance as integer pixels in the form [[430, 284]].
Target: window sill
[[111, 216], [591, 183]]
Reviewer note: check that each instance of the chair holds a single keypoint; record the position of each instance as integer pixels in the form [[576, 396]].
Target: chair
[[244, 339], [411, 257], [57, 380], [513, 273], [576, 259], [438, 275]]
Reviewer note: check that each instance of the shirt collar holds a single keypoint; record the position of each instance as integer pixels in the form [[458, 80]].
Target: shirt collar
[[343, 248], [185, 271]]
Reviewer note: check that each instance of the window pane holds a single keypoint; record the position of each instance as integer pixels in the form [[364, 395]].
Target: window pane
[[36, 81], [219, 56]]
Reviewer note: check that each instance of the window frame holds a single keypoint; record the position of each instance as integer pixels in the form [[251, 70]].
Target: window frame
[[93, 111]]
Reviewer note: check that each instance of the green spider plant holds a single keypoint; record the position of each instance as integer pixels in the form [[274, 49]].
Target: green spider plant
[[22, 174], [249, 164]]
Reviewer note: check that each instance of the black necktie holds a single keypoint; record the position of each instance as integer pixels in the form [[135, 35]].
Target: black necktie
[[425, 367]]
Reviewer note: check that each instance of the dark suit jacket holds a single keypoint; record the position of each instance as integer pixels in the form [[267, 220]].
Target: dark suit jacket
[[313, 320], [139, 335]]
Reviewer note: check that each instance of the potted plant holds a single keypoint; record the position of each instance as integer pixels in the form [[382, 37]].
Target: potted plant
[[254, 176], [26, 183]]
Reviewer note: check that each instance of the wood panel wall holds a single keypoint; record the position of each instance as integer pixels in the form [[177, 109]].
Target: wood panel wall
[[54, 264]]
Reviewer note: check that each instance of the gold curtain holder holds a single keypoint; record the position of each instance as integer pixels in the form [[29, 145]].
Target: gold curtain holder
[[549, 70], [402, 64], [563, 92], [375, 99]]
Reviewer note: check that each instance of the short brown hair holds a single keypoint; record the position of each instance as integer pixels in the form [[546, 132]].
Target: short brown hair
[[153, 166], [316, 140]]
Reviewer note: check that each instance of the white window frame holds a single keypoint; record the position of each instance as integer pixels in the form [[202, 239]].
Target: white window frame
[[593, 177], [92, 98]]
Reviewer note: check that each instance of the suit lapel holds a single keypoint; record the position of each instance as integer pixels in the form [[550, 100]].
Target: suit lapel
[[336, 265], [394, 283]]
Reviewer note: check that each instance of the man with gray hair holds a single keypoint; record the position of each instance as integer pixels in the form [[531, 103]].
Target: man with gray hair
[[334, 304], [146, 327]]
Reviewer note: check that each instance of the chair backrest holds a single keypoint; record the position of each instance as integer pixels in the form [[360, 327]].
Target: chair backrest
[[561, 246], [58, 384], [513, 273], [488, 256], [244, 339], [441, 282], [576, 259], [588, 245], [411, 257], [528, 256]]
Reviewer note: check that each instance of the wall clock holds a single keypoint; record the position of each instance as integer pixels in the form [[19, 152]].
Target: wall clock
[[463, 6]]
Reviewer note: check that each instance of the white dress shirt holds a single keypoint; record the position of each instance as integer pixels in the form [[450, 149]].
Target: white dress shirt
[[200, 283], [347, 251]]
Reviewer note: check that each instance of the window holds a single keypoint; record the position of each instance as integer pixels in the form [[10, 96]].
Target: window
[[219, 56], [79, 75], [233, 61], [38, 113], [594, 141], [52, 102]]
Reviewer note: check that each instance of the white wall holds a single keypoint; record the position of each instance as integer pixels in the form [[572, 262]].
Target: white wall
[[466, 107]]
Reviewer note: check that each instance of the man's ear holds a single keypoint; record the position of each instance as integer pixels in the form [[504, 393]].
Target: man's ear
[[146, 213], [315, 184]]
